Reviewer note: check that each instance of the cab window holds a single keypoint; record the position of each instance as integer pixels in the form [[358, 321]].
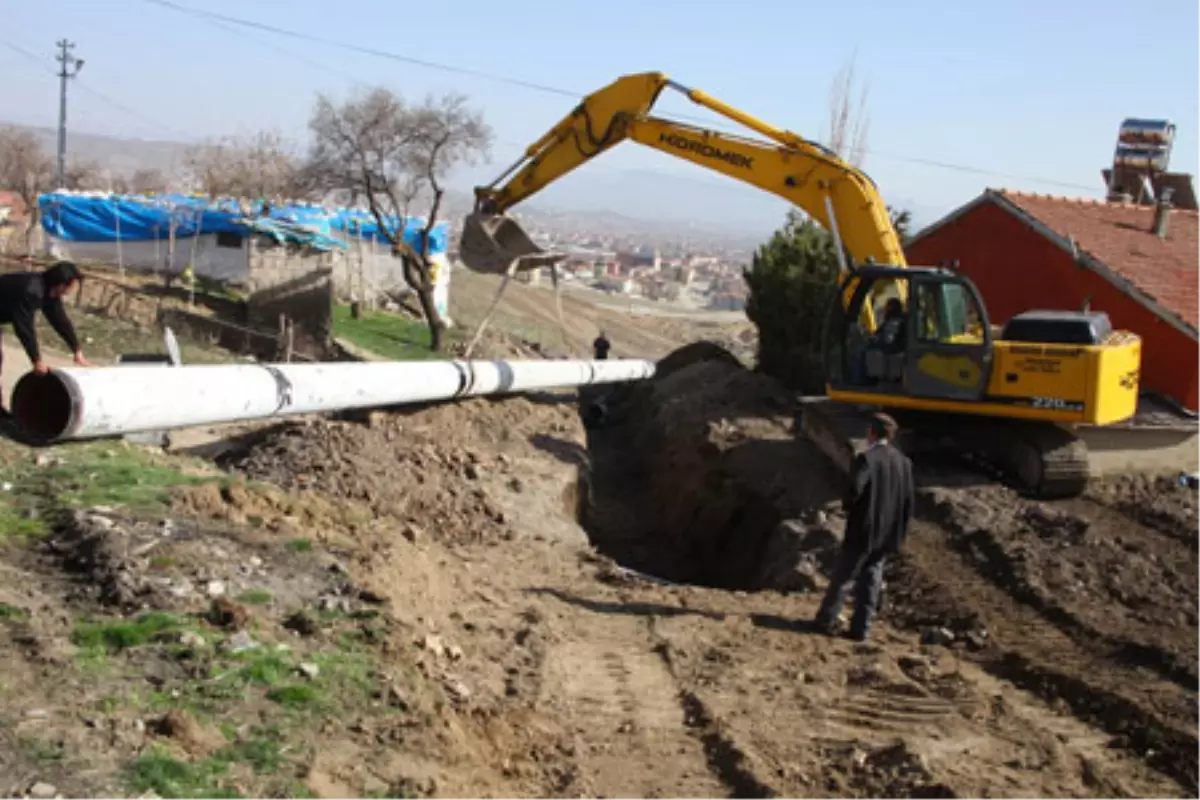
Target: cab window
[[947, 313]]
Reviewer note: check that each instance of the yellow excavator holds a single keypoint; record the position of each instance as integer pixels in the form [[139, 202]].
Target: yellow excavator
[[1008, 394]]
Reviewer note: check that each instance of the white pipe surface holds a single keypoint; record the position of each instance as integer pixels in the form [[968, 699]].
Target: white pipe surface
[[84, 403]]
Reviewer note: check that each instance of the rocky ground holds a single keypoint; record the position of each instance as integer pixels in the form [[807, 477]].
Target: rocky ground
[[488, 599]]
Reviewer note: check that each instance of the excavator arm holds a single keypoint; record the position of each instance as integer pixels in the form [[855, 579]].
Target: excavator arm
[[835, 194]]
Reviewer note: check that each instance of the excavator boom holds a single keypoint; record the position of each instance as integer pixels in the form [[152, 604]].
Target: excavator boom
[[949, 372], [838, 196]]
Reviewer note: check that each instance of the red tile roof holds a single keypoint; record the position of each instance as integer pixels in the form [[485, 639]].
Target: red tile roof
[[1119, 236]]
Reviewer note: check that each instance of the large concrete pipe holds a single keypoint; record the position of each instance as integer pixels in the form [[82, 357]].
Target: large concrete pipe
[[92, 402]]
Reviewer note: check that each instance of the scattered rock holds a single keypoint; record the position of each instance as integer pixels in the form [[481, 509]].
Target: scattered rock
[[227, 614], [370, 596], [473, 472], [516, 485], [43, 790], [36, 713], [308, 670], [937, 636], [335, 604], [413, 532], [458, 690], [240, 642], [215, 588], [301, 623], [180, 726], [193, 640]]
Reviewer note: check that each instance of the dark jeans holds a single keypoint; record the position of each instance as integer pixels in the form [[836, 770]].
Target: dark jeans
[[863, 571]]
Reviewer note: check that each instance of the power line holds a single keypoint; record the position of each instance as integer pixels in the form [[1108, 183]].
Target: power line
[[116, 104], [547, 89], [370, 51]]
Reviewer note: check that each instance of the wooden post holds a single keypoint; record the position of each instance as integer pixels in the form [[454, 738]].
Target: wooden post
[[120, 253], [291, 342]]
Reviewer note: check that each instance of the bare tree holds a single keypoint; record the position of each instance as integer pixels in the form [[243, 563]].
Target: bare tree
[[83, 176], [26, 169], [146, 181], [256, 166], [393, 156], [848, 120]]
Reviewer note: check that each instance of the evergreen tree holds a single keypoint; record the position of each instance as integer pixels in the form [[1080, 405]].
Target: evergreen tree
[[793, 279]]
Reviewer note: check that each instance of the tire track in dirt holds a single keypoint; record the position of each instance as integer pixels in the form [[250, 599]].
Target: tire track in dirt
[[895, 708], [1146, 644], [1158, 504], [617, 694], [1153, 717]]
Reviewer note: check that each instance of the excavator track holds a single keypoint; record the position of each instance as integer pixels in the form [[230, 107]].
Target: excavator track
[[1040, 459]]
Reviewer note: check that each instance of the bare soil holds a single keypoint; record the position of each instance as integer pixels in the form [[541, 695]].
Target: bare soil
[[500, 602]]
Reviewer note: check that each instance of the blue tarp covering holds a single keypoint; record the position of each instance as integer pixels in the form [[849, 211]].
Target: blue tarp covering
[[90, 218]]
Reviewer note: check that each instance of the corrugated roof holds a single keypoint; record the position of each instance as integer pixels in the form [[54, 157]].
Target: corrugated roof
[[1119, 236]]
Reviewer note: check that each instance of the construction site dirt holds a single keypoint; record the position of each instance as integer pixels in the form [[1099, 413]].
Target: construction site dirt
[[550, 609]]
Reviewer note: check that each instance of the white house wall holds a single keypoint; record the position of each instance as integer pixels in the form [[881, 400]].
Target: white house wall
[[226, 264]]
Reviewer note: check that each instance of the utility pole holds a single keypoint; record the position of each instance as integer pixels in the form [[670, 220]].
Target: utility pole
[[70, 68]]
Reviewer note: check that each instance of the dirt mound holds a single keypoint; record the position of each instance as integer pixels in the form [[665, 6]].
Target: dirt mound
[[495, 344], [1086, 570], [892, 771], [426, 468], [697, 470], [1156, 502]]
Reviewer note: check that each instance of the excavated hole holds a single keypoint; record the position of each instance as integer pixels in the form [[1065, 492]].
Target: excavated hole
[[692, 475]]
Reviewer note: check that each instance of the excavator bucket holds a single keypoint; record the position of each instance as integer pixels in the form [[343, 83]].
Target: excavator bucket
[[492, 242]]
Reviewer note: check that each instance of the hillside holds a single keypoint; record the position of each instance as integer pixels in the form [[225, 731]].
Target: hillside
[[661, 204]]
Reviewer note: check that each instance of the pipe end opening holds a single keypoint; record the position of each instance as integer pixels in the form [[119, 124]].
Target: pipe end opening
[[42, 405]]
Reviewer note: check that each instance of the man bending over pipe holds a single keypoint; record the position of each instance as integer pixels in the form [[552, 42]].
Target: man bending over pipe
[[22, 294]]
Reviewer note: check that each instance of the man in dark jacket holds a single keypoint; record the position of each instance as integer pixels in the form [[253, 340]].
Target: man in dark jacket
[[601, 346], [23, 294], [879, 508]]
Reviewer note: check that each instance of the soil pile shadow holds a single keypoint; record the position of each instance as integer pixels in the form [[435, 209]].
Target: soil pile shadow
[[692, 473]]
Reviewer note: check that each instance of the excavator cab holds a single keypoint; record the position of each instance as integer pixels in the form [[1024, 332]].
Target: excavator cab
[[933, 339]]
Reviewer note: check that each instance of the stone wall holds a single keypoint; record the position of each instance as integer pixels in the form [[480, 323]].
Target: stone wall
[[294, 283]]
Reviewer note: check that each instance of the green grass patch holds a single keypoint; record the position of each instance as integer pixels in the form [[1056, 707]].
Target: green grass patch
[[296, 696], [19, 516], [116, 636], [12, 613], [111, 337], [262, 750], [255, 597], [300, 545], [42, 752], [159, 772], [94, 475], [387, 335], [263, 667], [18, 521]]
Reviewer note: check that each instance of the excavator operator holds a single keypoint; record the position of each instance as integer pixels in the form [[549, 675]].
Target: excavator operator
[[890, 338]]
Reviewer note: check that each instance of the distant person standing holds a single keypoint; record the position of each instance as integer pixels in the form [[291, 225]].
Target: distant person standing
[[879, 509], [601, 346], [23, 294]]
